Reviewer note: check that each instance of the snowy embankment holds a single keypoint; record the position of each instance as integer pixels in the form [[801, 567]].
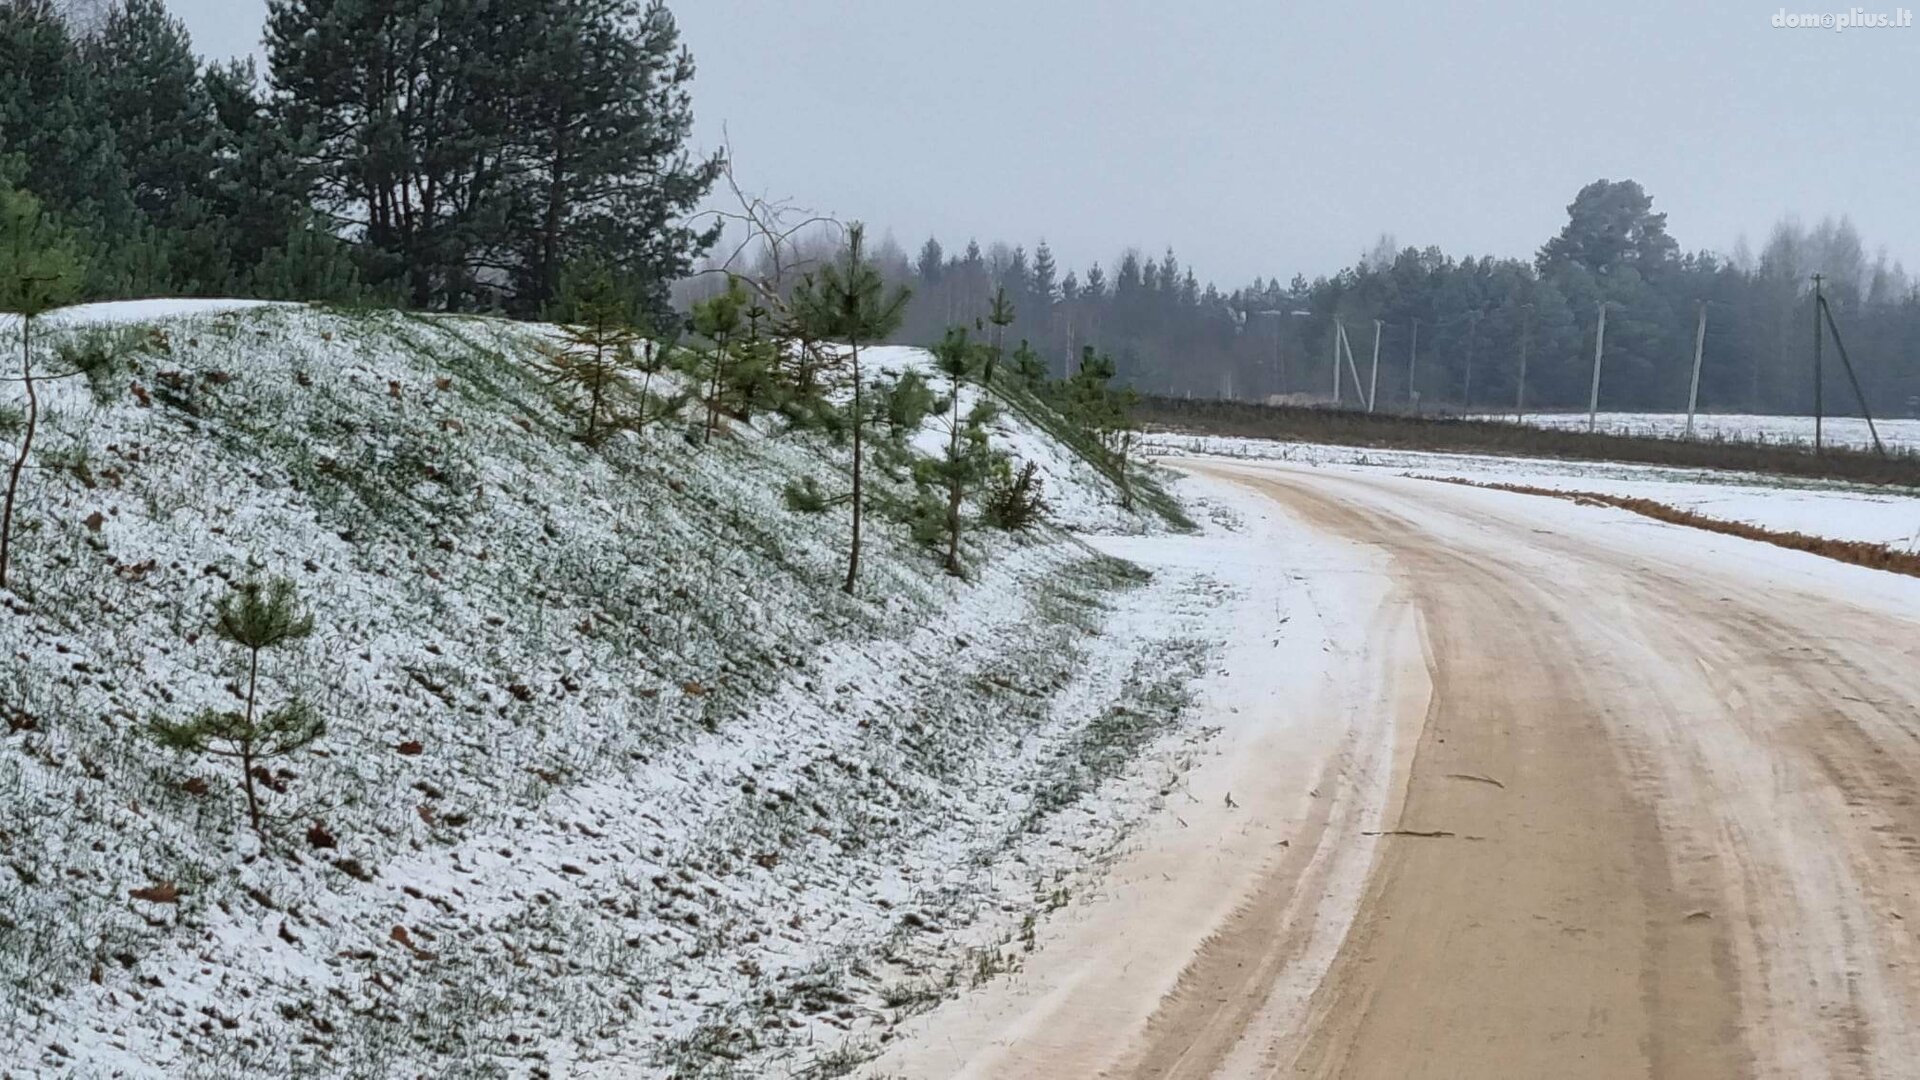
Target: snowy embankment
[[615, 782], [1876, 515], [1897, 433]]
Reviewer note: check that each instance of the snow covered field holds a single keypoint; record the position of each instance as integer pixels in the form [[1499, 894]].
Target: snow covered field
[[1840, 511], [1898, 433], [616, 781]]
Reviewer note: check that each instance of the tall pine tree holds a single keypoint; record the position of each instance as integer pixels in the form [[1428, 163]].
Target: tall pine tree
[[51, 122], [607, 113], [158, 109], [476, 147], [410, 104]]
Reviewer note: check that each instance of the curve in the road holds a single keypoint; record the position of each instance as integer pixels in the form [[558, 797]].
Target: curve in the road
[[1661, 818]]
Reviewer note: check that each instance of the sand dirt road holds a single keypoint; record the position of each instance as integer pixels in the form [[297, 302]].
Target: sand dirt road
[[1611, 801]]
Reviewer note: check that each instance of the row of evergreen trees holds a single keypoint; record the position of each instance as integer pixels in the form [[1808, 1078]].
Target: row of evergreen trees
[[1455, 328], [436, 153], [800, 354]]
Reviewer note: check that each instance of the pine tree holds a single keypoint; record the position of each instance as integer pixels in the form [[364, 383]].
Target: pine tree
[[1096, 284], [1043, 287], [607, 116], [753, 379], [972, 272], [597, 350], [1015, 501], [851, 304], [475, 148], [967, 461], [718, 319], [906, 404], [1000, 314], [309, 265], [256, 617], [158, 110], [51, 122], [1090, 400], [40, 269], [1028, 365], [413, 102], [277, 245], [932, 262]]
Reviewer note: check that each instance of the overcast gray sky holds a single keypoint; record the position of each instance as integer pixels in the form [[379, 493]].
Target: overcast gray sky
[[1269, 137]]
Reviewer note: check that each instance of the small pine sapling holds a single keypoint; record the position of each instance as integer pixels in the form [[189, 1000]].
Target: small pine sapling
[[39, 270], [896, 407], [650, 359], [906, 404], [798, 332], [753, 379], [1014, 500], [968, 460], [718, 319], [852, 304], [256, 617], [1028, 365], [1090, 400], [1000, 313], [598, 347]]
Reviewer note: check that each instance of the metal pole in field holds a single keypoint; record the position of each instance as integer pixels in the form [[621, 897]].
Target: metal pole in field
[[1413, 358], [1473, 339], [1819, 443], [1373, 380], [1699, 346], [1279, 365], [1338, 333], [1526, 338], [1353, 369], [1599, 346]]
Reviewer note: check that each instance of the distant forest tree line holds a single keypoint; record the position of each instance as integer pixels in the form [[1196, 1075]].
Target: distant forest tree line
[[1454, 329], [440, 154], [489, 155]]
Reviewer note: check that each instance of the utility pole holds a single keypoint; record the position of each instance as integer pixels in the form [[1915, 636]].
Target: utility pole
[[1853, 377], [1373, 380], [1338, 333], [1599, 346], [1279, 363], [1413, 357], [1699, 346], [1819, 299], [1526, 338], [1473, 340], [1353, 368]]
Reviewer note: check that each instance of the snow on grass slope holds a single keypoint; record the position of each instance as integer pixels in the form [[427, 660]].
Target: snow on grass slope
[[1878, 515], [1067, 476], [616, 781]]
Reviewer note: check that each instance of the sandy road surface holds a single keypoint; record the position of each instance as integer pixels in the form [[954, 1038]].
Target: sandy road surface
[[1569, 794]]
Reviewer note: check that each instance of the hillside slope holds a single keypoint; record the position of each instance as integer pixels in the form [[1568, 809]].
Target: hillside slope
[[615, 780]]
